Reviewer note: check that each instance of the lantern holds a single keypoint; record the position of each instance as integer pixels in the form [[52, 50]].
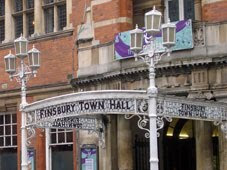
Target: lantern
[[168, 34], [136, 40], [153, 21], [34, 58], [21, 45], [10, 63]]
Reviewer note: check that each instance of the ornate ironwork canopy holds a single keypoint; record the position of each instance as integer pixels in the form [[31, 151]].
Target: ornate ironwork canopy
[[81, 110]]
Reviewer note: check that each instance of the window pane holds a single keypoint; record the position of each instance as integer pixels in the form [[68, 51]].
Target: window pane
[[48, 1], [189, 9], [2, 7], [7, 119], [69, 136], [14, 129], [53, 138], [18, 26], [18, 5], [53, 130], [8, 140], [61, 17], [30, 23], [8, 130], [61, 137], [1, 130], [173, 10], [14, 140], [1, 119], [30, 4], [49, 20], [1, 141], [14, 118]]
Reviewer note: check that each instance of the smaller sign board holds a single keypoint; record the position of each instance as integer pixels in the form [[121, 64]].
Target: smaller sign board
[[31, 159], [89, 157], [83, 123]]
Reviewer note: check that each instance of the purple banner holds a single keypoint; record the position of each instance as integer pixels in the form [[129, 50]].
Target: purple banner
[[184, 40]]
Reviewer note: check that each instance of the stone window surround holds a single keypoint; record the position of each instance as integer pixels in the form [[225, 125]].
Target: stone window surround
[[39, 28]]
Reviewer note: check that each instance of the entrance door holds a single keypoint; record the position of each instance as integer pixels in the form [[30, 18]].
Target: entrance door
[[62, 158], [179, 154], [8, 159]]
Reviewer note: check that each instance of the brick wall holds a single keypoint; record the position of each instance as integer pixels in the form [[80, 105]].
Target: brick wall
[[215, 12], [114, 17]]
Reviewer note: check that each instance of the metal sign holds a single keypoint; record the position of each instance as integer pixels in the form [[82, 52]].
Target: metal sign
[[58, 111], [86, 106], [189, 109], [71, 122]]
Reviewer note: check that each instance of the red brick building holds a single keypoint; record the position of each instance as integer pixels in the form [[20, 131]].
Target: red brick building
[[76, 40]]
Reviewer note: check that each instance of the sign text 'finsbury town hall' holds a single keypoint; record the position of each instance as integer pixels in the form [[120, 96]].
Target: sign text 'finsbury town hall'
[[87, 106]]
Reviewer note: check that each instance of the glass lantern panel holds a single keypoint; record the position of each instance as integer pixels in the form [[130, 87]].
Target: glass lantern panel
[[7, 64], [148, 21], [36, 59], [165, 35], [171, 34], [23, 47], [17, 47], [139, 40], [30, 58], [156, 22], [132, 40], [12, 64]]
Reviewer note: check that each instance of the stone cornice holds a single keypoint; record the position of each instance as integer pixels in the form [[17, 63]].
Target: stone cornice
[[43, 37], [141, 70]]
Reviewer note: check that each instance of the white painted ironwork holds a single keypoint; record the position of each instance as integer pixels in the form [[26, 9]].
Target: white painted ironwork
[[22, 75], [129, 102]]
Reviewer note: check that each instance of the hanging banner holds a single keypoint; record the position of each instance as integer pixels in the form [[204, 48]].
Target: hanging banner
[[184, 40]]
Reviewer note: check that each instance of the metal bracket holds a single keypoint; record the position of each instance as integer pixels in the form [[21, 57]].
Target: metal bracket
[[144, 120]]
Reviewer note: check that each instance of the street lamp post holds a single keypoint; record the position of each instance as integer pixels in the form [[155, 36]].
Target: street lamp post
[[150, 54], [22, 74]]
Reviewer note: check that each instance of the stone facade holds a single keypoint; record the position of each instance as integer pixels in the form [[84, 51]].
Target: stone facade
[[83, 53], [196, 73]]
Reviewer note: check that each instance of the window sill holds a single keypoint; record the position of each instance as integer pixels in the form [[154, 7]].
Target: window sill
[[36, 38]]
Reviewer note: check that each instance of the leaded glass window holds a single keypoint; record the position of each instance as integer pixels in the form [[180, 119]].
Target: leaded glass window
[[174, 10], [30, 4], [18, 25], [30, 23], [2, 30], [189, 12], [2, 7], [49, 20], [18, 5], [180, 9], [8, 130], [54, 19], [61, 17]]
